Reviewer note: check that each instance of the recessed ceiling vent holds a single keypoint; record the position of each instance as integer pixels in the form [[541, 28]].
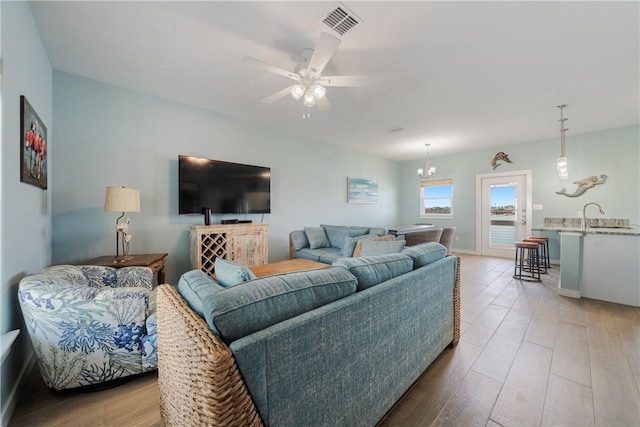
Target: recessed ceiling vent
[[341, 19]]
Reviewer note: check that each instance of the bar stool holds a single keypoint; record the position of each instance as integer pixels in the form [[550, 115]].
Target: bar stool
[[533, 262], [542, 253], [545, 249]]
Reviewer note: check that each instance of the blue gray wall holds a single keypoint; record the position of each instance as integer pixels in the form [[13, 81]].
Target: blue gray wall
[[25, 217], [106, 135], [113, 136], [613, 152]]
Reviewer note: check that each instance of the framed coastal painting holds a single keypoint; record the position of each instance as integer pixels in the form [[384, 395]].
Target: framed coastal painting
[[362, 190], [33, 146]]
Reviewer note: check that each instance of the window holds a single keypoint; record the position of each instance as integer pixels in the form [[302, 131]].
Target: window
[[436, 199]]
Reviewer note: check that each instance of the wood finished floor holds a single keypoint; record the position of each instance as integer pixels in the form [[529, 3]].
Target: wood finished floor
[[526, 357]]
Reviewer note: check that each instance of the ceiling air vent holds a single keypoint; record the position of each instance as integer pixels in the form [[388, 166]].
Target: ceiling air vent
[[341, 19]]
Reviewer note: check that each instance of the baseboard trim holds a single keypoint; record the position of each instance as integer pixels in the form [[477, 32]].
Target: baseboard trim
[[12, 398], [569, 293], [463, 251]]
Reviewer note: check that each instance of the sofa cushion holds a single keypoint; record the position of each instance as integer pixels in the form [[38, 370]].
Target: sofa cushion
[[326, 255], [373, 247], [299, 239], [317, 237], [335, 234], [425, 253], [195, 286], [376, 269], [230, 273], [252, 306]]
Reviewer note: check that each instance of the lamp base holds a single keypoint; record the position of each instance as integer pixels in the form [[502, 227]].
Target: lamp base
[[121, 258]]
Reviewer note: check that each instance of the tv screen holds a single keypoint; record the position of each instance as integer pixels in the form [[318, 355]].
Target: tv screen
[[223, 187]]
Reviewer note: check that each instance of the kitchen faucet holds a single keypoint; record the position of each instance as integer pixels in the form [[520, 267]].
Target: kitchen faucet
[[583, 222]]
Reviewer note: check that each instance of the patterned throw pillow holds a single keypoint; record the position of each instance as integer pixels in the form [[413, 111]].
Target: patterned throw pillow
[[358, 245], [229, 273]]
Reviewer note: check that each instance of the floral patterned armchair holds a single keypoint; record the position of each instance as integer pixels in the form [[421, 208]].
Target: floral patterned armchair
[[90, 324]]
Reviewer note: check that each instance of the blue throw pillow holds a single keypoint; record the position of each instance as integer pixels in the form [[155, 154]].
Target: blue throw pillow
[[250, 307], [376, 269], [335, 234], [229, 273], [299, 240], [425, 253], [370, 247], [351, 242], [317, 237]]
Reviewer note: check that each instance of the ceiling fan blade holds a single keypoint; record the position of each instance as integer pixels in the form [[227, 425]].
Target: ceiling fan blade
[[323, 103], [272, 68], [345, 81], [325, 48], [278, 95]]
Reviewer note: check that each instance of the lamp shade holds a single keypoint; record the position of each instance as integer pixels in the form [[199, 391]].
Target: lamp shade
[[122, 199]]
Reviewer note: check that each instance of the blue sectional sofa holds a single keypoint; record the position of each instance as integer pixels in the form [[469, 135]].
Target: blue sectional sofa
[[331, 347], [327, 243]]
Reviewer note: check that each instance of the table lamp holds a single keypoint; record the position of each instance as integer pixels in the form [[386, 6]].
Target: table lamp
[[122, 199]]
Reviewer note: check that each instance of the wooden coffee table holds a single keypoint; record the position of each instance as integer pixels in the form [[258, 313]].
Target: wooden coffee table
[[288, 266]]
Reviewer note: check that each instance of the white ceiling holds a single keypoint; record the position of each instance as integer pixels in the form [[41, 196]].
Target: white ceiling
[[457, 75]]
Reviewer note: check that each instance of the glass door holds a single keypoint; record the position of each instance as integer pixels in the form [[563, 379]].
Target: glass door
[[503, 214]]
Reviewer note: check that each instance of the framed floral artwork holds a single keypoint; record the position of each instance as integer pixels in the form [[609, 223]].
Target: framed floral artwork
[[33, 146], [362, 190]]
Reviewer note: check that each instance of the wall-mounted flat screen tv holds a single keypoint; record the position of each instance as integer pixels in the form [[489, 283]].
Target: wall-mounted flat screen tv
[[223, 187]]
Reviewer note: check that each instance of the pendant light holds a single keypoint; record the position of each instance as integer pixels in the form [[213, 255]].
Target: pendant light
[[561, 164]]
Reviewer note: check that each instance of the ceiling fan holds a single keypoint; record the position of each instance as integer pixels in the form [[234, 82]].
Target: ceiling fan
[[309, 83]]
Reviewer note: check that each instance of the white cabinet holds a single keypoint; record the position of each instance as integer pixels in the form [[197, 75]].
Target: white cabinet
[[611, 268]]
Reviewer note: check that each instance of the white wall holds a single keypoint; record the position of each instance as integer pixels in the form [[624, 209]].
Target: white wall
[[613, 152], [113, 136], [26, 218]]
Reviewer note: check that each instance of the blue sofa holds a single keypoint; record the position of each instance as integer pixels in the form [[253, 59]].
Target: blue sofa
[[331, 347], [328, 243]]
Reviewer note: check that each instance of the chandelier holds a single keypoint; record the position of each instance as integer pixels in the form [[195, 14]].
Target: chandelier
[[428, 171], [561, 164]]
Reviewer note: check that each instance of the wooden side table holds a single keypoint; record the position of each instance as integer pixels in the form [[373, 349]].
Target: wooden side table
[[154, 261]]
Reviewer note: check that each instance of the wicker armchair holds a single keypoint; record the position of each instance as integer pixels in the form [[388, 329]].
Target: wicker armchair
[[90, 324], [447, 237], [430, 235]]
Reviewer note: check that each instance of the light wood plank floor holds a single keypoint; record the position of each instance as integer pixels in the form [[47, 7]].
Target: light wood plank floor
[[526, 357]]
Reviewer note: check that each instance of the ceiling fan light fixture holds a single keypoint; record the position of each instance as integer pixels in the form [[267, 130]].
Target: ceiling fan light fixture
[[297, 91], [309, 100], [318, 91]]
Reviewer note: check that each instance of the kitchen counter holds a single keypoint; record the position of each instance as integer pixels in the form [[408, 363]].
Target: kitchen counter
[[628, 231], [600, 262], [594, 226]]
